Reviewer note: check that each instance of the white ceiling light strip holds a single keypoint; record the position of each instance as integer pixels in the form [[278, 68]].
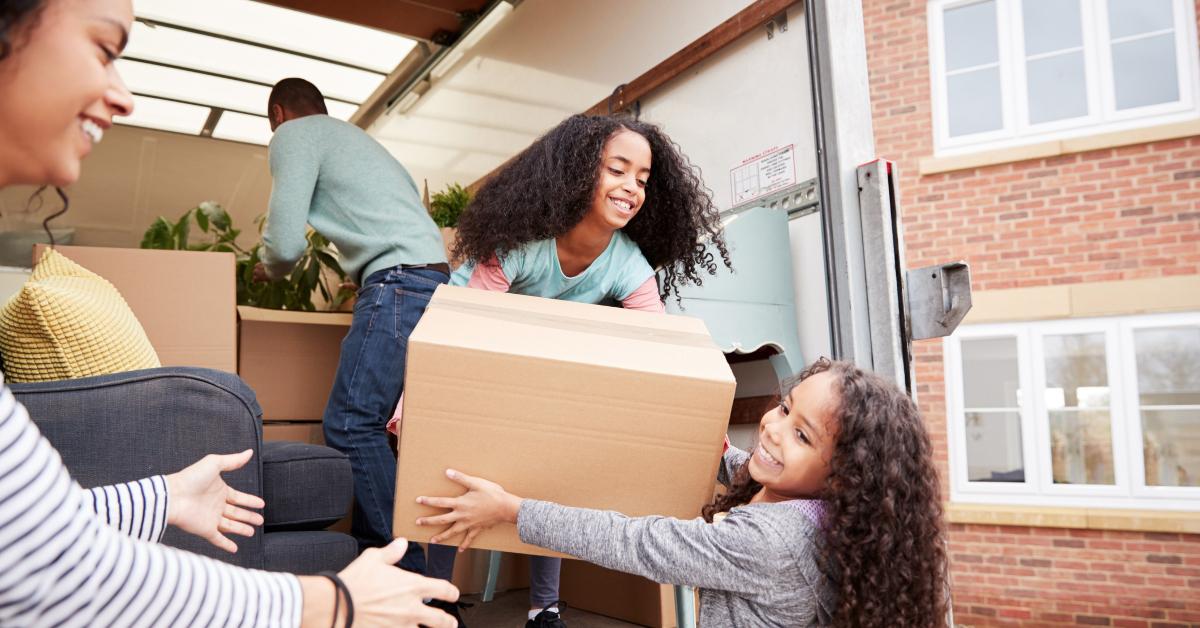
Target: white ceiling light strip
[[165, 115], [240, 127], [162, 44], [187, 61], [364, 47]]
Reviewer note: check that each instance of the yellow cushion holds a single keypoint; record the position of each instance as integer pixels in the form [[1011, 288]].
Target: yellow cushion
[[68, 322]]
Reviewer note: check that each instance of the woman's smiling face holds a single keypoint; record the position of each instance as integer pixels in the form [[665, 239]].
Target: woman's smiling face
[[59, 89]]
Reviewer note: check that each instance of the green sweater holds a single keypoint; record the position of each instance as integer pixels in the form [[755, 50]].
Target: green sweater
[[330, 174]]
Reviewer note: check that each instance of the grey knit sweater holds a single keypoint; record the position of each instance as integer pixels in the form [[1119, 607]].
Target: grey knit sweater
[[756, 567]]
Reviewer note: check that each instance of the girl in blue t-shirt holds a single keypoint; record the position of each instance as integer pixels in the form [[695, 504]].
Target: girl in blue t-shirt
[[586, 214]]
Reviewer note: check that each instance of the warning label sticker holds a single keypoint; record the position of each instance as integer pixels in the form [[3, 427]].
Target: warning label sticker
[[762, 174]]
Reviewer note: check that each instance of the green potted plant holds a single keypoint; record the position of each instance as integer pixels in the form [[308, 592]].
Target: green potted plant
[[317, 271], [445, 207]]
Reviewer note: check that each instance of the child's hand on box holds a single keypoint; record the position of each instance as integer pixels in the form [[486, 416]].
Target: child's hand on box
[[483, 505]]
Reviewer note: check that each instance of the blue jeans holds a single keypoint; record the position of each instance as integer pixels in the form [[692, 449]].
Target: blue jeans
[[369, 380], [543, 573]]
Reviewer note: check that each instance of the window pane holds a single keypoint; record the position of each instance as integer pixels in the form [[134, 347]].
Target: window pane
[[1081, 447], [990, 376], [994, 447], [1167, 365], [1076, 366], [970, 33], [1171, 445], [1134, 17], [1057, 89], [1144, 71], [1051, 25], [973, 99]]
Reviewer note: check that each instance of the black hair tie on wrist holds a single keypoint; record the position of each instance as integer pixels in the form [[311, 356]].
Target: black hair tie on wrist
[[340, 589]]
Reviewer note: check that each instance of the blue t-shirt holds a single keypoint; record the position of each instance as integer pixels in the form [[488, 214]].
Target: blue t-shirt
[[533, 270]]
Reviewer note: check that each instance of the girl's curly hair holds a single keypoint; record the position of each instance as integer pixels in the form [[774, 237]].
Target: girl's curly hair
[[14, 16], [882, 548], [547, 189]]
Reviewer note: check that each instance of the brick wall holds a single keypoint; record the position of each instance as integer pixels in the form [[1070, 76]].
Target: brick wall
[[1048, 576], [1113, 214]]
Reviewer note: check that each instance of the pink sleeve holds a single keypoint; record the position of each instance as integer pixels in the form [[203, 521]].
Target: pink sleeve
[[486, 276], [489, 276], [645, 298]]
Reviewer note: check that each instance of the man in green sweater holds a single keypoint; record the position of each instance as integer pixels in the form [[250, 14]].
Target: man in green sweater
[[331, 175]]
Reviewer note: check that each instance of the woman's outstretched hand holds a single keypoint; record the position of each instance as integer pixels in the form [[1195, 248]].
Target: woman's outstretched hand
[[200, 502], [483, 505], [383, 594]]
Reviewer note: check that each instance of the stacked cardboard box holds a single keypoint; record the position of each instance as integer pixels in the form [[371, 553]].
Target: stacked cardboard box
[[578, 404]]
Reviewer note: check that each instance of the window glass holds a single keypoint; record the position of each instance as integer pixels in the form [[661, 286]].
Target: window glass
[[990, 375], [1138, 17], [1144, 71], [1171, 447], [974, 102], [1051, 25], [970, 33], [1077, 400], [994, 452], [1168, 365], [993, 420], [1168, 372], [1057, 88]]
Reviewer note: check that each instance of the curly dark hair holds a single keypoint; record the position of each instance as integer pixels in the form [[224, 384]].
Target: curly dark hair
[[547, 189], [882, 544], [14, 16]]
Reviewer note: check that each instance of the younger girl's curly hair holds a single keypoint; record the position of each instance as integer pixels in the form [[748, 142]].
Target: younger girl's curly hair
[[882, 546], [547, 189]]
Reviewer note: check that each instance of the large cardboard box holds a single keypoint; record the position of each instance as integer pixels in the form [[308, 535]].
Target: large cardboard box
[[184, 300], [578, 404], [289, 359]]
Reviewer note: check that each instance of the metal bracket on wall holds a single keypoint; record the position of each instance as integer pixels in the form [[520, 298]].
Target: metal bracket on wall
[[938, 299], [777, 23]]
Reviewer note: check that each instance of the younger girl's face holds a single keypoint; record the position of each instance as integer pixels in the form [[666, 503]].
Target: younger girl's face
[[59, 89], [621, 188], [796, 441]]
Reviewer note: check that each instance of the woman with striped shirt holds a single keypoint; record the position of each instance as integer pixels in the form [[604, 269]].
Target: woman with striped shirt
[[70, 557]]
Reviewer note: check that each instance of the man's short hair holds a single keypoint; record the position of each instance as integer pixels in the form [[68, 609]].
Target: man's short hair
[[297, 96]]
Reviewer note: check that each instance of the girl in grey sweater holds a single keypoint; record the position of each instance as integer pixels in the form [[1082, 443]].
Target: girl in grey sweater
[[834, 518]]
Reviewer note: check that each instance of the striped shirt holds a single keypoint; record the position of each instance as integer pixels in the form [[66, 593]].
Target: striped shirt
[[70, 557]]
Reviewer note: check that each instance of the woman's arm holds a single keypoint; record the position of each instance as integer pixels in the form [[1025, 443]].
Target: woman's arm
[[136, 509], [195, 500], [60, 565]]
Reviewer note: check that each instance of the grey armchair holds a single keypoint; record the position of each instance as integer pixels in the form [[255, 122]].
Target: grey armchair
[[121, 427]]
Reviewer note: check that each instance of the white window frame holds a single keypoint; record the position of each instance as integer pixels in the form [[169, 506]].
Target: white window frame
[[1103, 117], [1129, 489]]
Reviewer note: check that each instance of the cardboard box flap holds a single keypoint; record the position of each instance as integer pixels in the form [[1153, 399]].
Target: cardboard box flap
[[564, 331]]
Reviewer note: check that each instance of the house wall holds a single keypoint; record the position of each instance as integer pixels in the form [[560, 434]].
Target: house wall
[[1125, 213]]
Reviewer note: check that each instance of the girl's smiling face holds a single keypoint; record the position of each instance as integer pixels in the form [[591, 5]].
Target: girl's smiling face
[[59, 89], [621, 188], [796, 442]]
